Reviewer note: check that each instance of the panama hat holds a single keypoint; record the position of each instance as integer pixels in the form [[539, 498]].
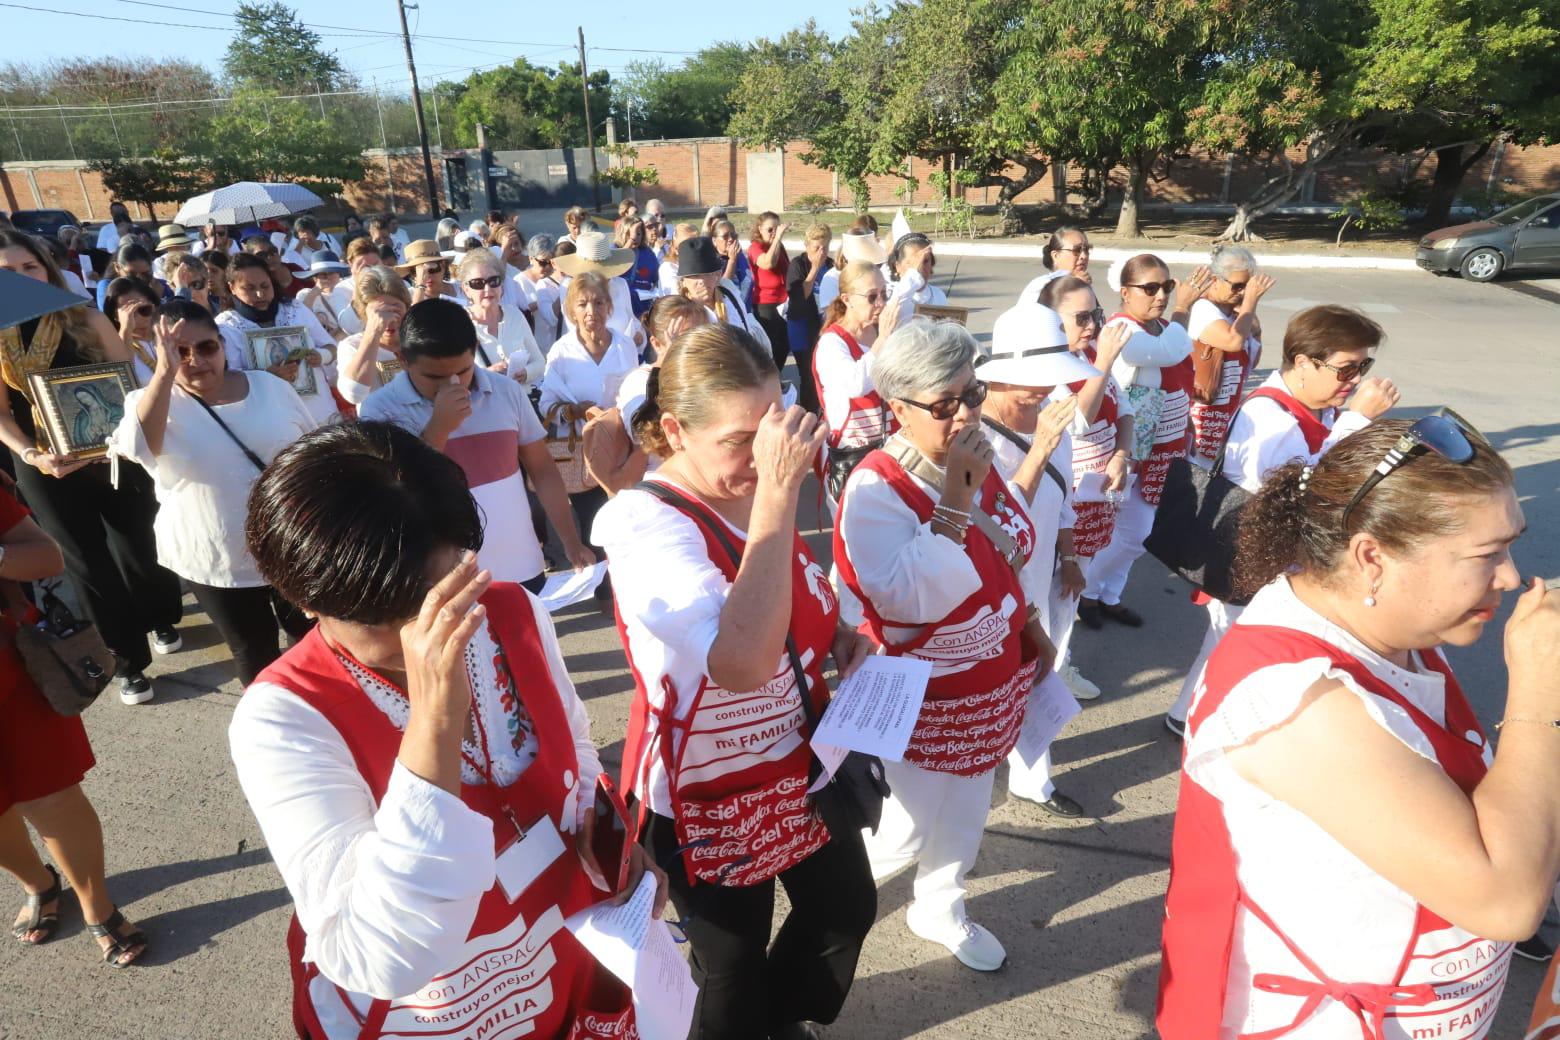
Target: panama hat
[[593, 251], [1029, 348], [862, 247], [326, 262], [173, 236], [422, 251]]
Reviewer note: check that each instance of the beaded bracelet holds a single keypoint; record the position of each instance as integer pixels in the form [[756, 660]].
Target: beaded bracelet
[[952, 521], [1551, 723], [950, 511]]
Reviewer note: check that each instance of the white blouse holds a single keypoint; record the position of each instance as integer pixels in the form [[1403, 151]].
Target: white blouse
[[1265, 436], [912, 289], [353, 391], [577, 378], [386, 893], [842, 377], [1145, 353], [203, 479], [1050, 510], [514, 343], [1352, 921]]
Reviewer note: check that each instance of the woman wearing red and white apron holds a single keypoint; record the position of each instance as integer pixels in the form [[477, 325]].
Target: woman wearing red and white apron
[[857, 418], [419, 764], [1225, 328], [934, 543], [1297, 414], [1155, 368], [1350, 859], [727, 620], [1101, 432]]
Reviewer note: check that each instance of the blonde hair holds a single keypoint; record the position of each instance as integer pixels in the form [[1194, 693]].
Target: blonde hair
[[852, 276], [373, 282], [583, 283], [703, 366], [475, 258], [358, 246], [684, 231], [668, 311], [818, 232]]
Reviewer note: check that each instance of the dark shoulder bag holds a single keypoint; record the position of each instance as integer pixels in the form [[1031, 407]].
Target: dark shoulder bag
[[852, 800], [64, 655]]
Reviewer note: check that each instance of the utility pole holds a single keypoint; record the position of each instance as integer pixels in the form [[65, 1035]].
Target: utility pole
[[417, 109], [590, 131]]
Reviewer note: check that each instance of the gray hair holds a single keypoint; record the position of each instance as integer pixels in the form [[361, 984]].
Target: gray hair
[[447, 226], [478, 258], [1226, 260], [541, 245], [921, 356]]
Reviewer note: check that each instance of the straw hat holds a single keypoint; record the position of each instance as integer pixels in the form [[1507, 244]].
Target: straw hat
[[173, 236], [1029, 348], [862, 247], [422, 251], [593, 251]]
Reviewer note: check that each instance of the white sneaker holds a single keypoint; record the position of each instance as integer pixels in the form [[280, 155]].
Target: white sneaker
[[971, 944], [134, 688], [1081, 688]]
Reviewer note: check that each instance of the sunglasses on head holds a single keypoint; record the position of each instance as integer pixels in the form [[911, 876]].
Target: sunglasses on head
[[946, 408], [205, 348], [1154, 288], [490, 282], [1350, 372], [1446, 433]]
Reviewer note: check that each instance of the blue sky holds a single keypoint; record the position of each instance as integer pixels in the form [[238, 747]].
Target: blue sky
[[491, 33]]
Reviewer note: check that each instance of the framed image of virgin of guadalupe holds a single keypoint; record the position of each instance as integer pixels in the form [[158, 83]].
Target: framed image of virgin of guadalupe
[[82, 405], [266, 348], [961, 315]]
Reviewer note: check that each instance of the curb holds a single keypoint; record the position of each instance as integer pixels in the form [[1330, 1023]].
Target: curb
[[1026, 251]]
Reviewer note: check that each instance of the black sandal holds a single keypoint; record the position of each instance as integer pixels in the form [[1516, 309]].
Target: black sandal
[[122, 945], [37, 920]]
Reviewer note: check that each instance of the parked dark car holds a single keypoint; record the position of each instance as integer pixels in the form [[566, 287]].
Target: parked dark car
[[45, 222], [1524, 237]]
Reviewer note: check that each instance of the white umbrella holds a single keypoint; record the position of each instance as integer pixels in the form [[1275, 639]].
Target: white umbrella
[[245, 202]]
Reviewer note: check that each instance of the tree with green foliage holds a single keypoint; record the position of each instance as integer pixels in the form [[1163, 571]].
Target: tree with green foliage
[[166, 176], [273, 49], [527, 106], [653, 100], [258, 138]]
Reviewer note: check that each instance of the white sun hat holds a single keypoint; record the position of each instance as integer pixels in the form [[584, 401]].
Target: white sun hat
[[1029, 348]]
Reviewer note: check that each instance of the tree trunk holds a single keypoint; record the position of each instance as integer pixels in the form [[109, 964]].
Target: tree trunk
[[1451, 166], [948, 176], [1131, 195], [1010, 188]]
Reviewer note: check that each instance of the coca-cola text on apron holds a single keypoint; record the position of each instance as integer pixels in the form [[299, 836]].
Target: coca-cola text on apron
[[1211, 421], [869, 420], [1094, 521], [520, 973], [1447, 982], [738, 779], [982, 667], [1170, 430]]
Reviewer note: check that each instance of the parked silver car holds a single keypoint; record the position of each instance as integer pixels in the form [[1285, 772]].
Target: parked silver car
[[1524, 237]]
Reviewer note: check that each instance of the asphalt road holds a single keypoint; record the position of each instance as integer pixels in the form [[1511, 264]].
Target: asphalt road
[[1076, 904]]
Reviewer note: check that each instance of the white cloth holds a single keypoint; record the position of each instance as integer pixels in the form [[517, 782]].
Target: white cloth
[[1145, 353], [233, 326], [514, 343], [333, 303], [1221, 616], [306, 253], [347, 318], [202, 479], [547, 298], [575, 377], [1108, 573], [666, 278], [842, 377], [911, 290], [75, 284], [828, 288], [936, 820], [355, 392], [386, 894], [1030, 293], [1349, 919], [1265, 436], [631, 396]]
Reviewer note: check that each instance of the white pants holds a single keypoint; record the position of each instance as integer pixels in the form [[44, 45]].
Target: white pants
[[936, 820], [1221, 616], [1062, 613], [1034, 782], [1108, 575]]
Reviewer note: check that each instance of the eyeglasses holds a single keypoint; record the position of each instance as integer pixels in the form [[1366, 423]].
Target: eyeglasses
[[141, 310], [1083, 250], [1350, 372], [1446, 433], [871, 297], [1239, 287], [205, 348], [1094, 318], [545, 263], [1154, 288], [490, 282], [948, 407]]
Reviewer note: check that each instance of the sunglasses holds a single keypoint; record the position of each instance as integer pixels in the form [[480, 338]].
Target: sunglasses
[[1350, 372], [205, 348], [198, 284], [490, 282], [1446, 433], [1080, 250], [871, 297], [1094, 318], [1154, 288], [1239, 287], [542, 262], [141, 310], [948, 407]]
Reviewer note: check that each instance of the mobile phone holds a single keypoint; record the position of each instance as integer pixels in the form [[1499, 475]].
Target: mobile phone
[[614, 834]]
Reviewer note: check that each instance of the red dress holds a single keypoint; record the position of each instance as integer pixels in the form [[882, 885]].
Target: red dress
[[41, 752]]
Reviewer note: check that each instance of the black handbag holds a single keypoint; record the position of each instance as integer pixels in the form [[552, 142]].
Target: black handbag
[[1196, 525], [839, 463], [852, 800], [64, 655]]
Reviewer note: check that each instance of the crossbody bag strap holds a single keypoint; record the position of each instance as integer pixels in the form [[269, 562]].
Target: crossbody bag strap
[[701, 516], [1017, 439], [251, 456], [906, 454]]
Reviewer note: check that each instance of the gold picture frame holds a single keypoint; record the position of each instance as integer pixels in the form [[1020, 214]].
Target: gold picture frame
[[938, 313], [82, 405], [387, 370], [266, 348]]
